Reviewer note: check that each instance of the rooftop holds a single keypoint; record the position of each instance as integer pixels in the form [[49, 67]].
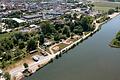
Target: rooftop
[[18, 20]]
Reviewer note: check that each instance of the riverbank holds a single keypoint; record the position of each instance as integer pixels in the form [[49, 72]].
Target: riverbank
[[113, 46], [115, 43], [37, 65]]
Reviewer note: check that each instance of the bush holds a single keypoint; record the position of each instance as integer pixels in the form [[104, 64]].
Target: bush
[[56, 37], [7, 76], [25, 65], [98, 21], [21, 45], [111, 11], [63, 37]]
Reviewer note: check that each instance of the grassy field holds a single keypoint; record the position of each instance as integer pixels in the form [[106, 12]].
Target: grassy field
[[6, 35], [61, 46], [105, 6], [104, 9]]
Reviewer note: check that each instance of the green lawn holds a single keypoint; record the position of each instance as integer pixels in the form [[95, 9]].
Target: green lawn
[[105, 6], [61, 46], [6, 35], [104, 9]]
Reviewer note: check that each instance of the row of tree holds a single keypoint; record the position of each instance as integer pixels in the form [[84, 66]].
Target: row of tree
[[111, 11]]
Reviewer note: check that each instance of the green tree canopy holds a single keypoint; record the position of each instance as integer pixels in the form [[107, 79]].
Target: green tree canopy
[[7, 76], [41, 39], [25, 65], [111, 11], [47, 27], [66, 30], [31, 45], [86, 23], [21, 45]]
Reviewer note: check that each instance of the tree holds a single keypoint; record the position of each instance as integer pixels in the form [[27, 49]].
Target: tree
[[56, 37], [41, 39], [7, 76], [117, 9], [71, 36], [1, 48], [15, 41], [66, 31], [17, 53], [68, 34], [18, 35], [11, 23], [0, 30], [7, 43], [25, 24], [111, 11], [21, 45], [86, 23], [116, 41], [3, 64], [78, 30], [25, 65], [31, 45], [7, 56], [21, 36], [47, 27], [14, 24], [75, 16], [58, 25], [118, 36]]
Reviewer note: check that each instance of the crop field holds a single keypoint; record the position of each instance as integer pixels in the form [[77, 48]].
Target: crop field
[[105, 6]]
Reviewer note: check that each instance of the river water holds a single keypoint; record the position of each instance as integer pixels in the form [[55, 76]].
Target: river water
[[92, 59]]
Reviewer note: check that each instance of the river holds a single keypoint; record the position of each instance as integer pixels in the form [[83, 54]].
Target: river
[[92, 59]]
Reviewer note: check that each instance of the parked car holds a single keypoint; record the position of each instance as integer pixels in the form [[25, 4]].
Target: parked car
[[36, 58], [44, 53]]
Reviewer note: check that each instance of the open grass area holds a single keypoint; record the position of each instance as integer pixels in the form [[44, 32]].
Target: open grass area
[[6, 35], [104, 9], [61, 46], [105, 6]]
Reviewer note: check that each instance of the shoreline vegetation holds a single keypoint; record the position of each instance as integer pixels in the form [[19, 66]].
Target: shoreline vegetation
[[33, 67], [115, 43]]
